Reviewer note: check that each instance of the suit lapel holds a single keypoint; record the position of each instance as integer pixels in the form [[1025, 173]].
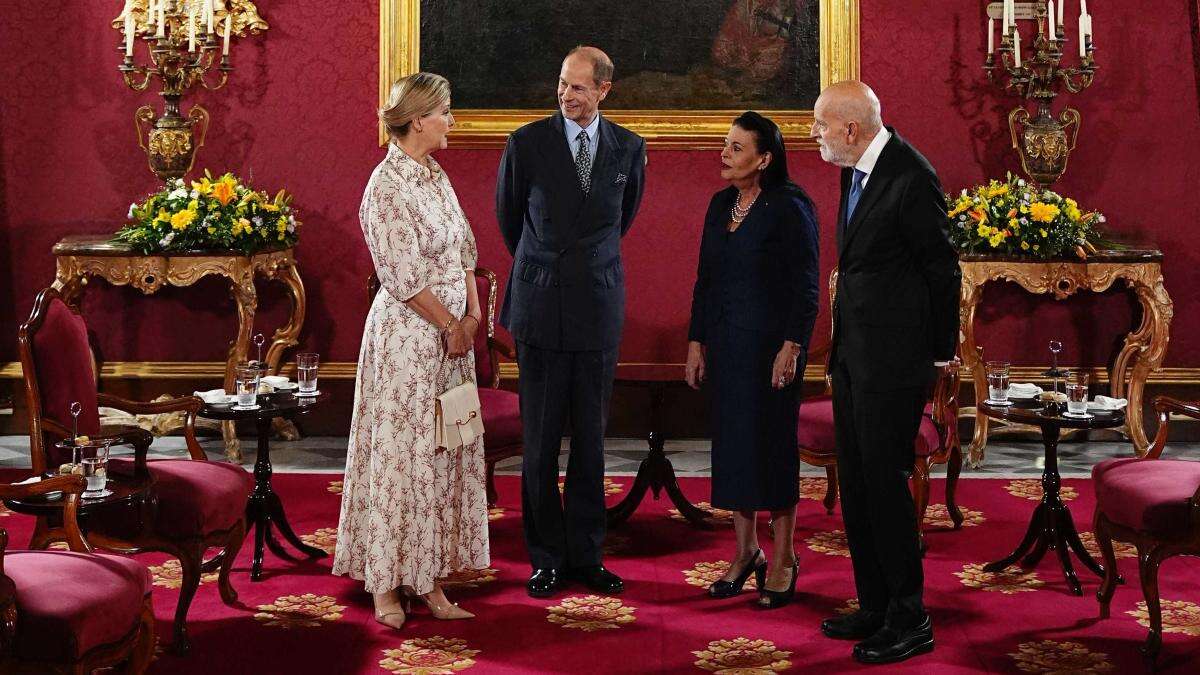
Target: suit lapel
[[876, 186], [603, 171], [558, 155]]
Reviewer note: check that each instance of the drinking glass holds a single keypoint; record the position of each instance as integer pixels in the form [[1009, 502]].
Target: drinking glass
[[997, 377], [1077, 394], [246, 386], [94, 460], [306, 373]]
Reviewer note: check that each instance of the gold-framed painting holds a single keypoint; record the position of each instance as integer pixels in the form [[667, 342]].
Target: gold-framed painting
[[684, 68]]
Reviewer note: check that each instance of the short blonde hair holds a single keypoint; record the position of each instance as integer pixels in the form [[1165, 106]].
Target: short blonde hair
[[413, 96]]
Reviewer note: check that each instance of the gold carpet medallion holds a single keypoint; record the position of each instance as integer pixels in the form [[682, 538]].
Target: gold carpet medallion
[[832, 542], [1178, 616], [720, 516], [704, 574], [469, 578], [1060, 658], [591, 613], [1031, 489], [813, 488], [1009, 581], [1120, 548], [611, 487], [429, 656], [743, 656], [939, 516], [850, 607], [300, 611], [170, 575], [495, 513], [335, 487], [324, 539]]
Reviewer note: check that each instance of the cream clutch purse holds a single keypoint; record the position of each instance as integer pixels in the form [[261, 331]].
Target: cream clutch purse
[[458, 418]]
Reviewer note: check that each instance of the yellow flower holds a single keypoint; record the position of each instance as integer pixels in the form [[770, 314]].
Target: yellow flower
[[162, 216], [270, 207], [281, 226], [193, 205], [1024, 246], [1036, 247], [983, 230], [979, 214], [241, 226], [997, 191], [182, 219], [211, 229], [1042, 212], [223, 190], [1043, 232], [1072, 211], [203, 186], [996, 239]]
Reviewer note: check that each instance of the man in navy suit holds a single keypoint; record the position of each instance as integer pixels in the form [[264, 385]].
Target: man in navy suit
[[895, 319], [568, 189]]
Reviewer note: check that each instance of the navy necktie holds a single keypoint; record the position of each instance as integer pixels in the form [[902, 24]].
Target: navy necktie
[[856, 189]]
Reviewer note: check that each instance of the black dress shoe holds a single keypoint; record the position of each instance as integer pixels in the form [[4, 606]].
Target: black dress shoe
[[727, 589], [543, 583], [890, 645], [598, 579], [860, 625]]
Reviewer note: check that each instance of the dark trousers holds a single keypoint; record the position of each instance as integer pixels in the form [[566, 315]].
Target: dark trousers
[[556, 386], [875, 431]]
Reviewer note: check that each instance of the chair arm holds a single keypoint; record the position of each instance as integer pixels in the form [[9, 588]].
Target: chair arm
[[502, 348], [71, 486], [1164, 406], [187, 404], [945, 395], [821, 352]]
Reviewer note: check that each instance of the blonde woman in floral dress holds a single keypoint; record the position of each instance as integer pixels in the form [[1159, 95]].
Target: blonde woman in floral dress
[[412, 513]]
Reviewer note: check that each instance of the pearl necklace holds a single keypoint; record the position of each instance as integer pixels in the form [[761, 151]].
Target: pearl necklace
[[737, 213]]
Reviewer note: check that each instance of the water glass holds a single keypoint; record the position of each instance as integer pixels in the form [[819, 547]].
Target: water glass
[[306, 373], [246, 385], [997, 377], [94, 460], [1077, 393]]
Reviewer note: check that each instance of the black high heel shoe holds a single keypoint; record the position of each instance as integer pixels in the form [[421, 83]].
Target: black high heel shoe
[[768, 599], [728, 589]]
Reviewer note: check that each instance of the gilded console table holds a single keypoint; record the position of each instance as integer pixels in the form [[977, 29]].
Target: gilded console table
[[1144, 348], [81, 256]]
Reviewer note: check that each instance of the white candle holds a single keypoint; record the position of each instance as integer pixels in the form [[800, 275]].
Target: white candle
[[991, 39], [228, 18], [128, 35], [208, 12], [1053, 33], [1082, 36], [151, 14], [162, 18], [1017, 48], [1083, 8], [1004, 18], [1088, 21], [1061, 5], [192, 29], [1012, 15]]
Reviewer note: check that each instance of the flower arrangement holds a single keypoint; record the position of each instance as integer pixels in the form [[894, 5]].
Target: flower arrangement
[[208, 214], [1019, 219]]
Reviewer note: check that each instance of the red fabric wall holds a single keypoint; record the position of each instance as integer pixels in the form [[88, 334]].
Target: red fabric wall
[[297, 113]]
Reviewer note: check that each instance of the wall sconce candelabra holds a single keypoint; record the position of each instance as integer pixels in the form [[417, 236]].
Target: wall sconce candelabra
[[1041, 141], [187, 42]]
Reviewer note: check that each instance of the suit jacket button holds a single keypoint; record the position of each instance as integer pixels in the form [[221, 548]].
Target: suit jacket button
[[556, 284]]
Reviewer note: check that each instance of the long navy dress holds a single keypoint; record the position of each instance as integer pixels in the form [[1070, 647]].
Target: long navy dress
[[755, 287]]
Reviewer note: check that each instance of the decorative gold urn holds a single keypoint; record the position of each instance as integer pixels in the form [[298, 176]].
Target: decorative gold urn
[[1043, 143], [172, 141]]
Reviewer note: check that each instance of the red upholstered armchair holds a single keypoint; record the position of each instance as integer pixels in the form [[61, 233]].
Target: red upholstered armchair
[[72, 611], [501, 411], [1154, 504], [937, 439], [200, 504]]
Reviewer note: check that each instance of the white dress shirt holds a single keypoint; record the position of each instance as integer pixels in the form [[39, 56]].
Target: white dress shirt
[[870, 156]]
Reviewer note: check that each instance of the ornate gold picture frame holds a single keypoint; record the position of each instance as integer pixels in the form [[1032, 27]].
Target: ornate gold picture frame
[[399, 55]]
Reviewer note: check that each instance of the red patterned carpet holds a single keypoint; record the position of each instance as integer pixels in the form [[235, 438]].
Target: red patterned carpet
[[300, 619]]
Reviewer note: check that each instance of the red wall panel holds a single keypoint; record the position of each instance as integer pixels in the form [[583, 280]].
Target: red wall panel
[[298, 113]]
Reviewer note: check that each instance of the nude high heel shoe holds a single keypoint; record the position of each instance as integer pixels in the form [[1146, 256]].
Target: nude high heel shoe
[[441, 608], [389, 611]]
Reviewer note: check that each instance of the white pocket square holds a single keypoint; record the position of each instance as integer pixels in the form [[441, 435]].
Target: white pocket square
[[620, 179]]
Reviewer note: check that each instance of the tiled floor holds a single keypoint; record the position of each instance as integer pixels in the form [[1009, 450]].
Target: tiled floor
[[1005, 457]]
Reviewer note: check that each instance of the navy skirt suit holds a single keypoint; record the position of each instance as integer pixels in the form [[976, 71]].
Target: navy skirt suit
[[755, 287]]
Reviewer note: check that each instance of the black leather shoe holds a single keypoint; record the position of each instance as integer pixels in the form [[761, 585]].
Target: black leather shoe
[[860, 625], [543, 583], [598, 579], [727, 589], [890, 645]]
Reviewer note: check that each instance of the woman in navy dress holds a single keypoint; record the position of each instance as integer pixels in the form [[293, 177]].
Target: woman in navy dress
[[753, 309]]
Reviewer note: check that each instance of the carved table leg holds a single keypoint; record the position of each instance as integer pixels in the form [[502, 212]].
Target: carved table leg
[[246, 297], [286, 335], [1144, 348], [972, 291]]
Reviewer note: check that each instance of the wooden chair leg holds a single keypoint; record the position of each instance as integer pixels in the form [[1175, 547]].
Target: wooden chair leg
[[234, 544], [492, 495], [831, 490], [953, 469], [143, 651], [191, 557], [1108, 585], [1148, 562], [40, 540]]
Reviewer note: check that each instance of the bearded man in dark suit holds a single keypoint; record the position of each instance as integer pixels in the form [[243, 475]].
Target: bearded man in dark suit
[[568, 189], [895, 320]]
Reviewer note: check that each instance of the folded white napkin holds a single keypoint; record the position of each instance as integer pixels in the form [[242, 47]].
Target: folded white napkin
[[28, 481], [1108, 403], [275, 380], [212, 395], [1023, 390]]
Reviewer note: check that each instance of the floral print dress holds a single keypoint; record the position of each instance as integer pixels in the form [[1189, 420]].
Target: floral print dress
[[411, 513]]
